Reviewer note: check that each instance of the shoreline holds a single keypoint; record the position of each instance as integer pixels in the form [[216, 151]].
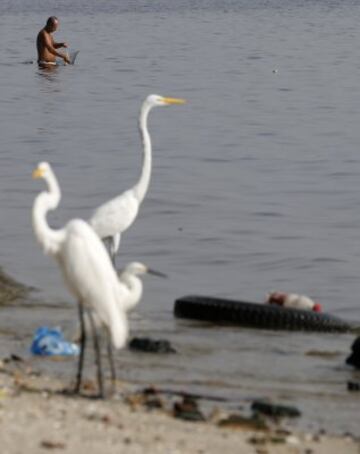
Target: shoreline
[[36, 416]]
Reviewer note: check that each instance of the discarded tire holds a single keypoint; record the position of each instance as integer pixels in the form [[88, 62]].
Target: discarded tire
[[254, 315], [354, 358]]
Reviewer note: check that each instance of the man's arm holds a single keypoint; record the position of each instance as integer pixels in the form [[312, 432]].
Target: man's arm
[[50, 46], [58, 45]]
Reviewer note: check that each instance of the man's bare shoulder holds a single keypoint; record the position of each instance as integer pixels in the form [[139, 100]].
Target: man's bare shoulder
[[41, 36], [43, 33]]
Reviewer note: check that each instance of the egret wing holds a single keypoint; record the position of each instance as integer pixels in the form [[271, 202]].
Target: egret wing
[[115, 216]]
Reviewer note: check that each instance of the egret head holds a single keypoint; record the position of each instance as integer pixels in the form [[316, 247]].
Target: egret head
[[137, 269], [42, 170], [157, 100]]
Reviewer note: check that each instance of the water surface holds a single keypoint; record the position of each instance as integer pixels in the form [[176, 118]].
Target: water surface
[[255, 183]]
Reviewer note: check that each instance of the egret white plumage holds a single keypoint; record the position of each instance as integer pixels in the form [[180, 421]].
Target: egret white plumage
[[87, 271], [129, 279], [112, 218], [132, 294], [132, 285]]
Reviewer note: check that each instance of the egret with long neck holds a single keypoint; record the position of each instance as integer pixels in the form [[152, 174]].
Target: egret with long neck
[[112, 218], [87, 271]]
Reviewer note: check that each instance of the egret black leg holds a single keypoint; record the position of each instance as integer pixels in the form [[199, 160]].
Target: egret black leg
[[111, 361], [97, 355], [82, 348]]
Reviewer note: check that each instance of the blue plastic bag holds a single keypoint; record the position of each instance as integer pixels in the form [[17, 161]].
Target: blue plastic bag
[[51, 342]]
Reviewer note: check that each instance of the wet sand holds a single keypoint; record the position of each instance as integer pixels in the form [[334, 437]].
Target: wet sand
[[37, 416]]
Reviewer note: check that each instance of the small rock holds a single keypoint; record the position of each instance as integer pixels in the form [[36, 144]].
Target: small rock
[[275, 411], [188, 410], [253, 422], [353, 386], [147, 345], [149, 397], [47, 444], [257, 440], [277, 439]]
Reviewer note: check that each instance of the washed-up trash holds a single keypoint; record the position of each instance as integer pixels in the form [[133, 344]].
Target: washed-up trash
[[293, 301], [51, 342]]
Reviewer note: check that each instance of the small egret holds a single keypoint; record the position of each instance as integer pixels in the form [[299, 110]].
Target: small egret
[[132, 289], [87, 271], [112, 218], [132, 286]]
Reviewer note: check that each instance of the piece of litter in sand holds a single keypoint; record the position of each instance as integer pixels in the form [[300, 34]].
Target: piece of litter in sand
[[51, 342]]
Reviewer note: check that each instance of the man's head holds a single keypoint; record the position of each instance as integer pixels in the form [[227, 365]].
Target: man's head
[[52, 24]]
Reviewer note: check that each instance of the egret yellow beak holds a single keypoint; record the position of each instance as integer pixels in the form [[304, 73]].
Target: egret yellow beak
[[174, 101], [38, 173]]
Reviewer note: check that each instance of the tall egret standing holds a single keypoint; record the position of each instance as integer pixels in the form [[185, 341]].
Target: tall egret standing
[[112, 218], [87, 271]]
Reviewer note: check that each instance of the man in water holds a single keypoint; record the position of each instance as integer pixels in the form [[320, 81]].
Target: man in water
[[46, 46]]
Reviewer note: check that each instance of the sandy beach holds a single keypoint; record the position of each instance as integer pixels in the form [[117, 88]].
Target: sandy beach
[[37, 416]]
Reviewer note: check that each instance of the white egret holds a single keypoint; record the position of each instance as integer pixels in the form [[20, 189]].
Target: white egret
[[112, 218], [129, 279], [87, 271], [133, 290]]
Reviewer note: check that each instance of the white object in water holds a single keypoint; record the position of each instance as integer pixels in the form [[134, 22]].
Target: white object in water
[[293, 300], [72, 57]]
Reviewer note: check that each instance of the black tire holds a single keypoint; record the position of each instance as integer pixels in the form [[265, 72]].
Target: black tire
[[254, 315]]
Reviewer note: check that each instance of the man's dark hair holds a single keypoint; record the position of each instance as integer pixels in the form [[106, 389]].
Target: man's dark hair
[[51, 21]]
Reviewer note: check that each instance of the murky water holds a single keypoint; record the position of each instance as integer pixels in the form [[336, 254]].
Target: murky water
[[255, 182]]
